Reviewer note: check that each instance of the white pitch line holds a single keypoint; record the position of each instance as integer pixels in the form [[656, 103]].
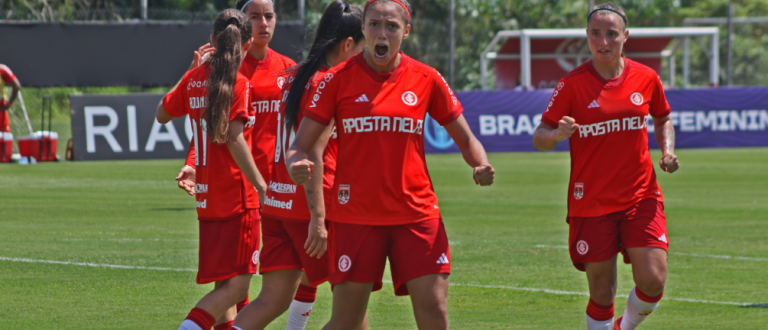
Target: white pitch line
[[88, 264], [697, 255], [557, 292]]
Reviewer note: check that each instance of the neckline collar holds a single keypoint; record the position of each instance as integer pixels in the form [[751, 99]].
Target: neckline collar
[[376, 76], [613, 82]]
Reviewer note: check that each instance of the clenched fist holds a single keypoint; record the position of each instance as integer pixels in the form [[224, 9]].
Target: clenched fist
[[484, 175], [566, 127], [669, 163], [301, 170]]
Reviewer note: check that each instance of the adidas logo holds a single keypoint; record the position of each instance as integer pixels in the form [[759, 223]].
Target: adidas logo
[[443, 259], [663, 238], [362, 98], [593, 105]]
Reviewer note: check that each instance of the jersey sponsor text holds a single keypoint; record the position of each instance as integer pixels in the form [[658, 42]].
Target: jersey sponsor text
[[383, 124], [278, 204], [612, 126], [282, 188]]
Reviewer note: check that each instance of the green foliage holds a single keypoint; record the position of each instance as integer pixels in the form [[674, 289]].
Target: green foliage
[[477, 21]]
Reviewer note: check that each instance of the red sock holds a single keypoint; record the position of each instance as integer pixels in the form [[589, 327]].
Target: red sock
[[646, 298], [306, 294], [242, 304], [202, 318], [224, 326], [599, 312]]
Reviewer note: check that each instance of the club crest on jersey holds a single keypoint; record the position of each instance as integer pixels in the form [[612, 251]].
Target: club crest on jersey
[[582, 247], [280, 82], [578, 190], [343, 194], [255, 257], [637, 98], [328, 77], [409, 98], [345, 263]]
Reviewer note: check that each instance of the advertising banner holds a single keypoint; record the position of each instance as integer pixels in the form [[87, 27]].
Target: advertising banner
[[504, 121], [124, 127]]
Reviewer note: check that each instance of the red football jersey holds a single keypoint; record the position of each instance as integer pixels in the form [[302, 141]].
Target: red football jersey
[[286, 200], [381, 173], [611, 167], [222, 190], [267, 78]]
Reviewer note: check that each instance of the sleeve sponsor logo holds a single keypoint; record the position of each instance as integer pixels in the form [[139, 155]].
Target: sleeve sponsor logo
[[282, 188], [554, 95], [319, 91], [409, 98], [328, 77], [382, 124]]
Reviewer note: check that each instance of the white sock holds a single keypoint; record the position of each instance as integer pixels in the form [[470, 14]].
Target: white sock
[[189, 325], [593, 324], [298, 315], [637, 310]]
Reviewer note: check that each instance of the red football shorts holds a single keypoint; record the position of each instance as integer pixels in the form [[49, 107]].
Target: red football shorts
[[595, 239], [359, 253], [228, 248], [284, 249]]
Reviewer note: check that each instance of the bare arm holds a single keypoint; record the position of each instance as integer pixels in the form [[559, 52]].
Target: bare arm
[[316, 243], [16, 85], [547, 137], [297, 158], [472, 150], [665, 137], [240, 151], [162, 116]]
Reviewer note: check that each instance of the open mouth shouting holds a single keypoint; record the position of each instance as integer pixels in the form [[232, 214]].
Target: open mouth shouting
[[381, 51]]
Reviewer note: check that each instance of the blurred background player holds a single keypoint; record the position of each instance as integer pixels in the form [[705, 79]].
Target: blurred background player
[[615, 204], [293, 223], [265, 69], [7, 78], [217, 99], [383, 205]]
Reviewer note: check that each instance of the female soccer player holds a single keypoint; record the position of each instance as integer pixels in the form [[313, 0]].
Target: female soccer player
[[217, 99], [615, 204], [289, 245], [7, 77], [265, 69], [383, 204]]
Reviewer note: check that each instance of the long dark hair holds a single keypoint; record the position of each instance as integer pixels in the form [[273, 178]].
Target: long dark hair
[[232, 30], [339, 22]]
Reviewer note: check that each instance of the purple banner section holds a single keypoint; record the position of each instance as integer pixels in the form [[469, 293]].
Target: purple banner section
[[504, 121]]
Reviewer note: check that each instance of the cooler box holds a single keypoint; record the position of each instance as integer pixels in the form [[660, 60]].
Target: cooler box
[[6, 139], [41, 145]]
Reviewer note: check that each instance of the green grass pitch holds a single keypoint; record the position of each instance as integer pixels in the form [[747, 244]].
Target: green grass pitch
[[507, 236]]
